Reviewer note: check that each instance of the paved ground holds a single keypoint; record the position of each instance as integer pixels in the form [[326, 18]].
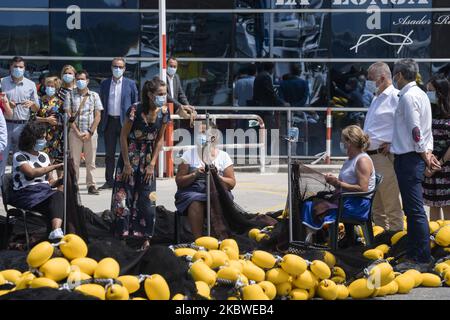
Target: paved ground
[[255, 193]]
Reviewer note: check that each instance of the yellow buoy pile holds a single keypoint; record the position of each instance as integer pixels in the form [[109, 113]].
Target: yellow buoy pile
[[258, 275], [76, 272]]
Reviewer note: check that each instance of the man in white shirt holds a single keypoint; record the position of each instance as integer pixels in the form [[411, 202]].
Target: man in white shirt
[[379, 125], [412, 144]]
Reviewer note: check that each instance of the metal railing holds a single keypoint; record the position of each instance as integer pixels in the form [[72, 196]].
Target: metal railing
[[325, 156], [261, 145]]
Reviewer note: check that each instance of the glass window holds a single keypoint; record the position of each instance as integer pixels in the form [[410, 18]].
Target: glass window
[[98, 70], [101, 35], [24, 33], [120, 4], [205, 83], [24, 3], [440, 46], [189, 4], [380, 35], [34, 68], [190, 34], [281, 4], [282, 35]]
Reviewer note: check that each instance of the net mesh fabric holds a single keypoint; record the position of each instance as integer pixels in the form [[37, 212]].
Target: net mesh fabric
[[310, 182]]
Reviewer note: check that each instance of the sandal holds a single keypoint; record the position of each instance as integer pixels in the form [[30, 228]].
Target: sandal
[[145, 245]]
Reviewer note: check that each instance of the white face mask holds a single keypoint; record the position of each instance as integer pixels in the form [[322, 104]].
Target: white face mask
[[371, 86], [171, 71], [117, 72], [432, 96]]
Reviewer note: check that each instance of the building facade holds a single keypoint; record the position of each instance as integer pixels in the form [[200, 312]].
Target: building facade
[[332, 41]]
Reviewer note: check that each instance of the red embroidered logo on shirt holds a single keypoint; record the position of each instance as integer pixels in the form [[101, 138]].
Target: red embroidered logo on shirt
[[416, 134]]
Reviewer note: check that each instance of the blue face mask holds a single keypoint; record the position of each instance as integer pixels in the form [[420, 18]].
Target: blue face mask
[[371, 86], [18, 72], [343, 147], [81, 84], [201, 139], [40, 145], [160, 100], [68, 78], [395, 83], [50, 91], [117, 72]]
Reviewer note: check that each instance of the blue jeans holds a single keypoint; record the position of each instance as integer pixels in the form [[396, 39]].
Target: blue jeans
[[410, 168]]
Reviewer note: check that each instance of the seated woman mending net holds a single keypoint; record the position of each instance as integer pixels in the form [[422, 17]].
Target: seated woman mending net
[[32, 189], [191, 178], [357, 175]]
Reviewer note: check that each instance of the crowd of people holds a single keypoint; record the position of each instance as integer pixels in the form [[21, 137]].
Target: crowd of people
[[405, 138]]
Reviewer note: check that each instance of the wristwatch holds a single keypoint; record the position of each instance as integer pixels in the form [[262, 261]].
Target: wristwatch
[[90, 132]]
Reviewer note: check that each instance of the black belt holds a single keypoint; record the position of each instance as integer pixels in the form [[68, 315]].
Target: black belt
[[17, 121], [114, 117], [373, 152]]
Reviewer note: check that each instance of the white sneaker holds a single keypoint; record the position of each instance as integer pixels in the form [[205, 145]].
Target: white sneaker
[[56, 234]]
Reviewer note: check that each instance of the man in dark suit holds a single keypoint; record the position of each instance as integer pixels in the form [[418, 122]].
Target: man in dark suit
[[117, 93], [174, 89], [264, 95]]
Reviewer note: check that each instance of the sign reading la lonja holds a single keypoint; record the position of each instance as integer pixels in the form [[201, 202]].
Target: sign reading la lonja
[[354, 2], [394, 39]]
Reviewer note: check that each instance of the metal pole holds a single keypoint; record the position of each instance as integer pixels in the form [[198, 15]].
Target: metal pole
[[208, 178], [162, 41], [291, 236], [271, 35], [329, 132], [66, 155]]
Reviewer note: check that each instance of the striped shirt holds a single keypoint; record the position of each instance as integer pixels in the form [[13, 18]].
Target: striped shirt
[[86, 115], [62, 93]]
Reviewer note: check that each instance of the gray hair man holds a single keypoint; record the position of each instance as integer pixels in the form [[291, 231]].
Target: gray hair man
[[412, 144], [379, 125]]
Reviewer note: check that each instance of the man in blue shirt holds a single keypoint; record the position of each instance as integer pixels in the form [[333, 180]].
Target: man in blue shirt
[[243, 91], [295, 91], [22, 95]]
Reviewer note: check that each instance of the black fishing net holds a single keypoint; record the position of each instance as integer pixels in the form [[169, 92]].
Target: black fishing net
[[45, 294], [309, 182], [236, 223]]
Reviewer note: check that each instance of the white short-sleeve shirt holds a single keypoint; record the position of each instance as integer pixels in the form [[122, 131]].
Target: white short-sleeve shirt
[[40, 161], [221, 162]]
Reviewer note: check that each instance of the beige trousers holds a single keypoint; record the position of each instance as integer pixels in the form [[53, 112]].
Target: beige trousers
[[90, 151], [387, 209]]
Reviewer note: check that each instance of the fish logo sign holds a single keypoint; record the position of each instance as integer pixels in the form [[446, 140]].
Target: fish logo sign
[[385, 37]]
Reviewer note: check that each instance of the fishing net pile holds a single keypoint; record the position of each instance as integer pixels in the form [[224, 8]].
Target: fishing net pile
[[249, 259], [212, 269]]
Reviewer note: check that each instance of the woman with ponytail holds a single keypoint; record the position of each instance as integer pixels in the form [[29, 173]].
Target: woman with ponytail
[[357, 175], [141, 139]]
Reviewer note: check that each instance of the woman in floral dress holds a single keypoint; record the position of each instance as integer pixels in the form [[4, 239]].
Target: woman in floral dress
[[141, 139], [51, 113], [436, 186]]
